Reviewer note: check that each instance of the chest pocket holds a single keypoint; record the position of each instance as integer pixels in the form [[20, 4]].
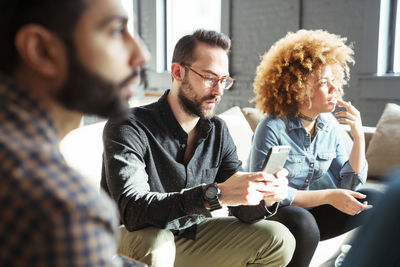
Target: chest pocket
[[296, 166], [324, 162], [209, 175]]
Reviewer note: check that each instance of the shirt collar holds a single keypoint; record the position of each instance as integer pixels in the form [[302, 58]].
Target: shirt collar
[[294, 122], [204, 125]]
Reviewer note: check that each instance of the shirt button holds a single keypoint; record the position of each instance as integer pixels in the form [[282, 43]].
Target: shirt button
[[183, 145], [307, 180], [311, 165]]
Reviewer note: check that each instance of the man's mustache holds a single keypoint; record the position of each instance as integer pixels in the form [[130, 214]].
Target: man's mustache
[[212, 98], [138, 73]]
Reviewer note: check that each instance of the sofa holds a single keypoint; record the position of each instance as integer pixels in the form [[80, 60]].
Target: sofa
[[82, 149]]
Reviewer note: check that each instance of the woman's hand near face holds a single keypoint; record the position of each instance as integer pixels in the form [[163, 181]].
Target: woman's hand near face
[[346, 201], [352, 117]]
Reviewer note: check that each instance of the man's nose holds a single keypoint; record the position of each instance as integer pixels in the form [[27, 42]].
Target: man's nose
[[140, 55], [218, 89]]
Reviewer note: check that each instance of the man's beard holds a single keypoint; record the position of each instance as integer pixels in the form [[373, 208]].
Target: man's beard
[[89, 93], [192, 105]]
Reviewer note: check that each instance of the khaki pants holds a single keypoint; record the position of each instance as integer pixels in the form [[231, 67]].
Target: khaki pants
[[220, 242]]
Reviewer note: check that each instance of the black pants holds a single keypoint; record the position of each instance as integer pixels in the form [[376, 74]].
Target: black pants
[[309, 226]]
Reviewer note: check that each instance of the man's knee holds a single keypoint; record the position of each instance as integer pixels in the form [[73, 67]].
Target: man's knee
[[150, 245], [280, 244]]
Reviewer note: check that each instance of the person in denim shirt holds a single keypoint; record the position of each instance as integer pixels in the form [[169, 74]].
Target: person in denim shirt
[[298, 84]]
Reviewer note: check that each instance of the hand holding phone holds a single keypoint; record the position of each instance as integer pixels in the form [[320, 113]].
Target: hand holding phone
[[275, 159]]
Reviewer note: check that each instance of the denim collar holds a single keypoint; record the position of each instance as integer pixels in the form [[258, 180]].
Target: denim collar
[[294, 122]]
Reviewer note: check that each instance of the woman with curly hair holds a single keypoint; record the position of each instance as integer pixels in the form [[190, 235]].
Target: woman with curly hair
[[298, 84]]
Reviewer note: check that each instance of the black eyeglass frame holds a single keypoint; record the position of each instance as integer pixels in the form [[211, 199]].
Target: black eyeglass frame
[[214, 80]]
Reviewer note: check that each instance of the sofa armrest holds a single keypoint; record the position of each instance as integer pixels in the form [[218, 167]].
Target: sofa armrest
[[368, 132], [82, 149]]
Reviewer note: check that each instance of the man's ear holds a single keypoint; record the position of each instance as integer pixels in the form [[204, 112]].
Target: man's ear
[[177, 71], [40, 50]]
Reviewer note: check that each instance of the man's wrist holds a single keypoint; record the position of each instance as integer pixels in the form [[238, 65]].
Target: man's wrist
[[271, 210], [211, 193]]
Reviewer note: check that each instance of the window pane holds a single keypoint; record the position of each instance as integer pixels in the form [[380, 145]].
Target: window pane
[[183, 17], [128, 6], [396, 60]]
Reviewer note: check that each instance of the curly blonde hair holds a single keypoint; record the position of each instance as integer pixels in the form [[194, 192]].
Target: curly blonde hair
[[281, 82]]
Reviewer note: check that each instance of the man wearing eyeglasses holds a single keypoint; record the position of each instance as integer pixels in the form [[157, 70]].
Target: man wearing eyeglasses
[[172, 162]]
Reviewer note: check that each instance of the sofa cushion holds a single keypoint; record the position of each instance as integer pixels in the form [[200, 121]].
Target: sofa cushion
[[82, 149], [253, 116], [239, 130], [383, 151]]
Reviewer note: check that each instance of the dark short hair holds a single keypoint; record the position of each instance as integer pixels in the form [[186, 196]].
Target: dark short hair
[[59, 16], [183, 52]]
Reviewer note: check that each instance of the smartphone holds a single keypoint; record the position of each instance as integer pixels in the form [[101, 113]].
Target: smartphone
[[275, 159]]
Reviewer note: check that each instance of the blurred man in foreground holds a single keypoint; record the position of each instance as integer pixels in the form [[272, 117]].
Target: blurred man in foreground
[[58, 61]]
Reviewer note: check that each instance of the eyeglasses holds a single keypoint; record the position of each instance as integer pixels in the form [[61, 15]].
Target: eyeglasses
[[211, 81]]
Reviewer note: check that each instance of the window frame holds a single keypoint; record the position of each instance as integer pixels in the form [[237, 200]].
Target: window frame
[[393, 10], [159, 78], [372, 77], [387, 63]]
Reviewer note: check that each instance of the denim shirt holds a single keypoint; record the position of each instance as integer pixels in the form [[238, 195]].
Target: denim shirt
[[309, 161]]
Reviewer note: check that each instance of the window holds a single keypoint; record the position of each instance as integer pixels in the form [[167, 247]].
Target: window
[[128, 6], [389, 37], [163, 22], [183, 17], [396, 32]]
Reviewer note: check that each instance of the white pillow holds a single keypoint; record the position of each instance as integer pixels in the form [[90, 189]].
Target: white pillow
[[240, 131], [383, 151], [82, 149]]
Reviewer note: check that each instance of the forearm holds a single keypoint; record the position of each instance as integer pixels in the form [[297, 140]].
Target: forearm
[[172, 211], [251, 214], [128, 184], [312, 198], [357, 157]]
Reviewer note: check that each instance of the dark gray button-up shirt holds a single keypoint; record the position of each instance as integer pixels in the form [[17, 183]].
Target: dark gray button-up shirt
[[144, 170]]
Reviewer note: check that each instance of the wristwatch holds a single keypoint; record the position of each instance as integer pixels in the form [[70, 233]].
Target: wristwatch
[[211, 195]]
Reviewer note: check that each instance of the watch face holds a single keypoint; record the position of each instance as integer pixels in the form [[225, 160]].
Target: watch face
[[211, 192]]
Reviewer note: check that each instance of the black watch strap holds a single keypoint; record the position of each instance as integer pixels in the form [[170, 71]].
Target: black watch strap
[[211, 196], [214, 205]]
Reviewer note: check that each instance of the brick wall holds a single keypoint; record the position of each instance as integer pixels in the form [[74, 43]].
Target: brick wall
[[257, 24]]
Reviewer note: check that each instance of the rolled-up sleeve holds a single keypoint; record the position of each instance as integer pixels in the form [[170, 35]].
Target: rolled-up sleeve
[[291, 195], [251, 214], [349, 179], [341, 170]]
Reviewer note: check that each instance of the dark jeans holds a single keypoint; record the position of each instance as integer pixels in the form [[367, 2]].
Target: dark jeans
[[309, 226]]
